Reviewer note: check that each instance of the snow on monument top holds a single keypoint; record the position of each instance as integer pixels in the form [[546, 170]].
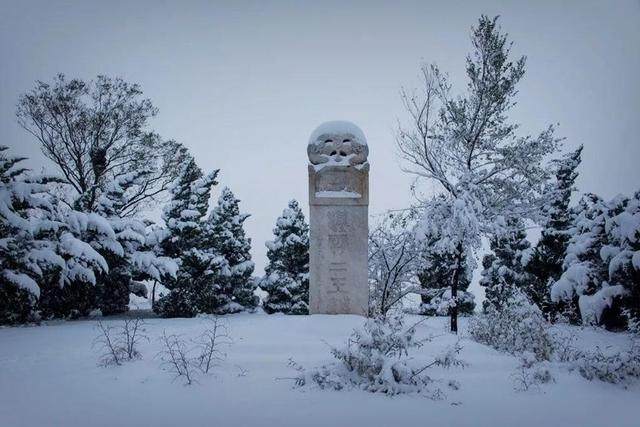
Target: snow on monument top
[[338, 143], [337, 127]]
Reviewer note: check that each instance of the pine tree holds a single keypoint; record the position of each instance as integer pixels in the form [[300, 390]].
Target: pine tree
[[86, 242], [583, 269], [435, 281], [286, 278], [622, 257], [226, 236], [25, 211], [546, 260], [113, 288], [504, 268], [136, 261], [193, 289]]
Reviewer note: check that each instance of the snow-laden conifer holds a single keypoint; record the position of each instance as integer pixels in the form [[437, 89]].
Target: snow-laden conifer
[[193, 290], [548, 255], [434, 275], [137, 261], [504, 269], [26, 210], [583, 290], [286, 278], [622, 257], [224, 230], [600, 282]]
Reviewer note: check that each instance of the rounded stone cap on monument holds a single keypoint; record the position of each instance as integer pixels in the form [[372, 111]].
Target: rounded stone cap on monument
[[337, 143]]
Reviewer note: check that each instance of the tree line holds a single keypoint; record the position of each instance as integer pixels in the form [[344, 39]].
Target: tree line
[[77, 241], [493, 182]]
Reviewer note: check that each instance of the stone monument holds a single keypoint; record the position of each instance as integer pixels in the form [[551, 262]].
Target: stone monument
[[338, 205]]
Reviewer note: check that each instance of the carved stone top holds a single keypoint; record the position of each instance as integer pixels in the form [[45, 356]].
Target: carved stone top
[[338, 143]]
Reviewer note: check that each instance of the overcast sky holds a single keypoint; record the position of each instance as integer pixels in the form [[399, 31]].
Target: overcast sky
[[243, 84]]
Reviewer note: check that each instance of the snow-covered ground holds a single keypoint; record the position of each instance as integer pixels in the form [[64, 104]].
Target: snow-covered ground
[[49, 377]]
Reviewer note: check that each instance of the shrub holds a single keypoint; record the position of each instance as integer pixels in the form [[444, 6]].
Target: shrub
[[614, 368], [516, 328], [120, 343], [376, 359]]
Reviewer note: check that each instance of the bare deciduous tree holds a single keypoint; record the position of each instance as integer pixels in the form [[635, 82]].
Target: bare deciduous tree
[[96, 131], [393, 254]]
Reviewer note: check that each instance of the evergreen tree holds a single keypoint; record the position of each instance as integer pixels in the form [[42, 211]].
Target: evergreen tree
[[435, 274], [622, 257], [287, 275], [86, 242], [225, 234], [583, 269], [193, 289], [135, 261], [504, 268], [25, 209], [600, 282], [546, 260]]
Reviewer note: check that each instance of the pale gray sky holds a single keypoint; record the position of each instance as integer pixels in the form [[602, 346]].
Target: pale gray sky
[[243, 84]]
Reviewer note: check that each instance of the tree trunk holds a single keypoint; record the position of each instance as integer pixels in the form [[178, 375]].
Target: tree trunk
[[453, 311], [153, 294]]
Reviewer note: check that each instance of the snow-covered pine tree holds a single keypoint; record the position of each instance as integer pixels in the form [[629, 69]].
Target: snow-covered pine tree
[[622, 257], [226, 236], [286, 278], [193, 290], [548, 255], [85, 242], [584, 272], [25, 211], [435, 282], [136, 261], [59, 248], [504, 269], [113, 287]]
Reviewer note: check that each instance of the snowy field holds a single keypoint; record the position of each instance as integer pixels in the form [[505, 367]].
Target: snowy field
[[49, 376]]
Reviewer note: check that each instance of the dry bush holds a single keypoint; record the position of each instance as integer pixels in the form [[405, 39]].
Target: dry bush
[[119, 343]]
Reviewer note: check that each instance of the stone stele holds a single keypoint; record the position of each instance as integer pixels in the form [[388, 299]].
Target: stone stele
[[338, 206]]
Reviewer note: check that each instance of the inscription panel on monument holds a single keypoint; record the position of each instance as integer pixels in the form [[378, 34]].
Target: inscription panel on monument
[[338, 180], [338, 271], [337, 292]]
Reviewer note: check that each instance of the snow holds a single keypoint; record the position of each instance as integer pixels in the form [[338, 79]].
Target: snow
[[338, 127], [49, 377], [22, 281], [153, 265], [576, 277], [636, 260], [592, 306]]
